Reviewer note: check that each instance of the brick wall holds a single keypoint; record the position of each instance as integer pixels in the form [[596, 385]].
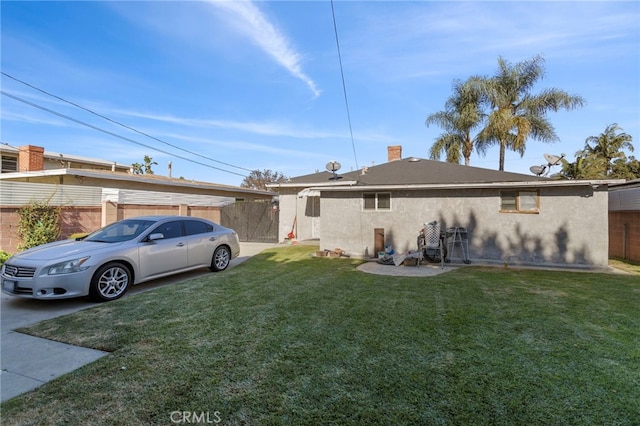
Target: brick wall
[[72, 220], [618, 221]]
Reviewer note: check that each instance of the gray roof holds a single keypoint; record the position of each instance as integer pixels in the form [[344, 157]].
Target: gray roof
[[416, 171], [628, 184]]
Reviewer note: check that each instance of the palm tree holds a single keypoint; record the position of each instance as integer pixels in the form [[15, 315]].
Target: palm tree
[[585, 167], [461, 115], [515, 114], [609, 145]]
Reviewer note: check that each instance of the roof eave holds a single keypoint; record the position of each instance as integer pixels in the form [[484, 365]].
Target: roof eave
[[479, 185], [134, 178], [310, 184]]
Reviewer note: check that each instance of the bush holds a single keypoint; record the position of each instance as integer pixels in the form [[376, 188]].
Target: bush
[[78, 235], [39, 223], [3, 257]]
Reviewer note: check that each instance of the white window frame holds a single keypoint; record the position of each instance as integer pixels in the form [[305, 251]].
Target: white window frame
[[376, 197], [521, 198]]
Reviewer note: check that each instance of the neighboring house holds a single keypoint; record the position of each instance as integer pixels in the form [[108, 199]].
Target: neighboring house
[[94, 193], [510, 218], [30, 157], [624, 220]]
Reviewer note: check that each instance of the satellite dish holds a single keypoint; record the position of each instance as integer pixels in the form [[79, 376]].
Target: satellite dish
[[544, 169], [553, 160], [538, 170], [333, 166]]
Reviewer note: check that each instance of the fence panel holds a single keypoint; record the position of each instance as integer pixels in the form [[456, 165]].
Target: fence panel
[[253, 221]]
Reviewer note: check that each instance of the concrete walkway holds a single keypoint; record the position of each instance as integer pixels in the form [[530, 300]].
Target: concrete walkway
[[424, 270], [28, 362]]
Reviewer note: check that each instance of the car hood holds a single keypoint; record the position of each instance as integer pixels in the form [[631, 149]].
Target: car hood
[[65, 249]]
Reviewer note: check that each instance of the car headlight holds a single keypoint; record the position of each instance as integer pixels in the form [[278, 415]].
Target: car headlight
[[69, 266]]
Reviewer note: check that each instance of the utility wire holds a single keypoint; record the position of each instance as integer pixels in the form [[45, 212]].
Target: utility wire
[[344, 87], [120, 124], [17, 98]]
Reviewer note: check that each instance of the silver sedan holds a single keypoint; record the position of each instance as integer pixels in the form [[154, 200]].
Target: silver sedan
[[104, 264]]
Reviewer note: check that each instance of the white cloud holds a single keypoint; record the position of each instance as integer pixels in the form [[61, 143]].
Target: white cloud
[[250, 21], [259, 128]]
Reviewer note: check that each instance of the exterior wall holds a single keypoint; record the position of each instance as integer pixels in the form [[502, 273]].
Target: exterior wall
[[302, 210], [624, 235], [72, 220], [85, 209], [554, 236], [132, 210]]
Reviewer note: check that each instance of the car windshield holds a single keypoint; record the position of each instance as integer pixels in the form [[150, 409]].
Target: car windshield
[[124, 230]]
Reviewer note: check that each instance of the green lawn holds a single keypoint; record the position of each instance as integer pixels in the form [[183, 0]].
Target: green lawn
[[285, 338]]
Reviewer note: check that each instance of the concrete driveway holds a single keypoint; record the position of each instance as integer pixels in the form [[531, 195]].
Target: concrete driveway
[[28, 362]]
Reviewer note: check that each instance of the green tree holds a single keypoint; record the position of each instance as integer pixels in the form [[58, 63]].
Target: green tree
[[258, 179], [515, 114], [585, 167], [608, 146], [145, 168], [626, 169], [461, 115]]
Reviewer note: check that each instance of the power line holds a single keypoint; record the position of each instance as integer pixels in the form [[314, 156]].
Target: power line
[[344, 87], [17, 98], [122, 125]]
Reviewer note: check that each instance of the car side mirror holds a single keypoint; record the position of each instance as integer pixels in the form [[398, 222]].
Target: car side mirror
[[156, 236]]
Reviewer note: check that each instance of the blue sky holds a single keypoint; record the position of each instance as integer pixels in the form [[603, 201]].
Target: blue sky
[[227, 87]]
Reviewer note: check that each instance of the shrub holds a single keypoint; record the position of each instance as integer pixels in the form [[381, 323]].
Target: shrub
[[3, 257], [78, 235], [39, 223]]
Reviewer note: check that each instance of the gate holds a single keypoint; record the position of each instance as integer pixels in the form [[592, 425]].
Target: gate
[[254, 221]]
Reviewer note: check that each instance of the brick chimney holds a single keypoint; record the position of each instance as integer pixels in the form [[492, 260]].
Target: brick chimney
[[30, 158], [394, 153]]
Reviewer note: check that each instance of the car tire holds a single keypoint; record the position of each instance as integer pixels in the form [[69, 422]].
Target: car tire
[[110, 282], [221, 259]]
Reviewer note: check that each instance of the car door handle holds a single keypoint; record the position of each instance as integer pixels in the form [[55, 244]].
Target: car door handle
[[180, 245], [213, 238]]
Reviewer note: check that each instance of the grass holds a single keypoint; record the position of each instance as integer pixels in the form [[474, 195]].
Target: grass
[[627, 266], [285, 338]]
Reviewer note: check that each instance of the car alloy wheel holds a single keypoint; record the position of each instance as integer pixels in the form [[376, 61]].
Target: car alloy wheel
[[110, 282], [221, 259]]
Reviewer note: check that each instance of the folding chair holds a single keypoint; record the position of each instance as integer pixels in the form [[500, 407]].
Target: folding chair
[[430, 243]]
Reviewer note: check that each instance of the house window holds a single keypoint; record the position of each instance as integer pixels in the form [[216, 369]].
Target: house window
[[520, 202], [9, 164], [376, 201]]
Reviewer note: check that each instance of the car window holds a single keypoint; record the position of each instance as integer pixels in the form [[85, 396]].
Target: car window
[[124, 230], [193, 227], [170, 229]]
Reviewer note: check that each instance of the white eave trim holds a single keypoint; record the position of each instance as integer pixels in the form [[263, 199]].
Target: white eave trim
[[309, 192], [497, 185], [310, 184]]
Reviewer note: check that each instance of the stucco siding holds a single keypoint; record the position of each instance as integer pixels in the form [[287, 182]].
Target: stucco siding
[[554, 236], [303, 211]]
